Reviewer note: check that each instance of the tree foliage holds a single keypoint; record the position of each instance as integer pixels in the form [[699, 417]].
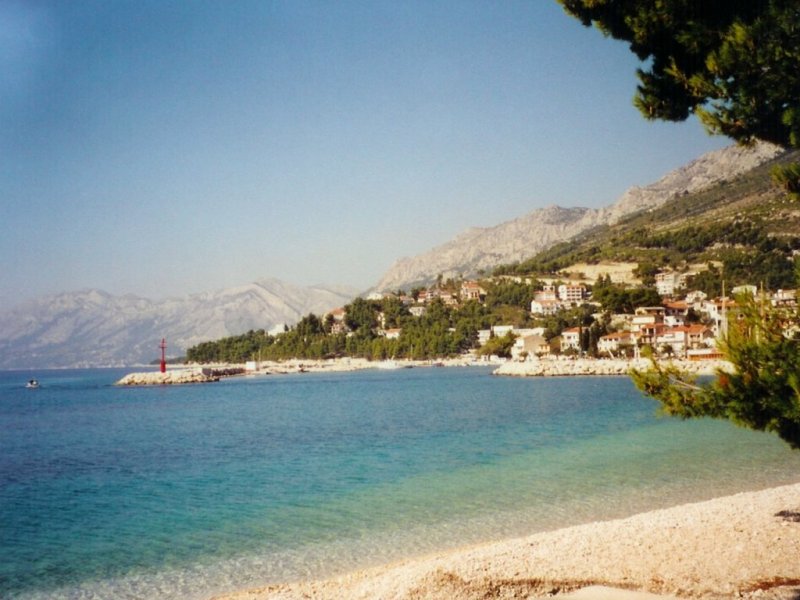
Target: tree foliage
[[733, 64], [499, 346], [617, 298], [763, 391]]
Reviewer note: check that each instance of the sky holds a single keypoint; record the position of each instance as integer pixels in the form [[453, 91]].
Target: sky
[[162, 148]]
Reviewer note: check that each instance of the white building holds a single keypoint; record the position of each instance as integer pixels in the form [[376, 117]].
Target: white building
[[545, 307], [668, 283], [682, 339], [750, 290], [696, 297], [571, 339], [784, 298], [647, 316], [613, 343], [570, 293], [547, 293]]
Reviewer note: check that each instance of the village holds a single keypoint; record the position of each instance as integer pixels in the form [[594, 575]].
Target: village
[[686, 325]]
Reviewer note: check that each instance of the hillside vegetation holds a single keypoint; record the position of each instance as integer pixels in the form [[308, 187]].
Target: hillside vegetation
[[746, 228]]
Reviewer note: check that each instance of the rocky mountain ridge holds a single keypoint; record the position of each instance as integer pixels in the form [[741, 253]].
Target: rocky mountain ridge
[[482, 249], [93, 328]]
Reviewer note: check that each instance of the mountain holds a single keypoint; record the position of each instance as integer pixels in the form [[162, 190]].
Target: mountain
[[93, 328], [747, 226], [513, 241]]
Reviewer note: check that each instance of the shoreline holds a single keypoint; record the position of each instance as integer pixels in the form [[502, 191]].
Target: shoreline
[[740, 546], [544, 367], [567, 367], [213, 372]]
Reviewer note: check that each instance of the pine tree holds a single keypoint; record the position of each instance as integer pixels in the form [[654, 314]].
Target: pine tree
[[762, 392], [734, 64]]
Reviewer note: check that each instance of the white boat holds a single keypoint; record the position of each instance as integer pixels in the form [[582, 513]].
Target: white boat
[[32, 383]]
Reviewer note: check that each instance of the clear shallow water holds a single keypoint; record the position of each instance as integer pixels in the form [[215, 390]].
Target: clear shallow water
[[182, 492]]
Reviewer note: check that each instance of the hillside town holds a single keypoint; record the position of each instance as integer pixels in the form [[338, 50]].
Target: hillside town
[[687, 324]]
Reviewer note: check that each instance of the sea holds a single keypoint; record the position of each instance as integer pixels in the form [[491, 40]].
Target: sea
[[184, 492]]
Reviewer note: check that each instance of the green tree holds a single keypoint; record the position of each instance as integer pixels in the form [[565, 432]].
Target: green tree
[[646, 271], [499, 346], [763, 392], [361, 315], [733, 64], [393, 312]]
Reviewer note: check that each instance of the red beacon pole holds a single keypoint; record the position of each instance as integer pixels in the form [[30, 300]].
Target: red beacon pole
[[163, 346]]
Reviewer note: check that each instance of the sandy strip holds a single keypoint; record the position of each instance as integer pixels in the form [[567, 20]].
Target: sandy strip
[[741, 546]]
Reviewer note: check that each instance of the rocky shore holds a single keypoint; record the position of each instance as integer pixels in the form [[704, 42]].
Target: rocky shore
[[565, 367]]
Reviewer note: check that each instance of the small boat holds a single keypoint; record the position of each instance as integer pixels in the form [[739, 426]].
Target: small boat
[[32, 383]]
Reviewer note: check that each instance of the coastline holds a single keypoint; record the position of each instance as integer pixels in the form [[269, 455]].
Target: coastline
[[567, 367], [741, 546], [544, 367]]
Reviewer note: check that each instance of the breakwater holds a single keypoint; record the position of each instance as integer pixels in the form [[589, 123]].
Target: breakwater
[[590, 366], [178, 376]]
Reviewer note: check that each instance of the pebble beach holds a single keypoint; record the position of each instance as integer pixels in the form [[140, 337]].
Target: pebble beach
[[565, 367], [741, 546]]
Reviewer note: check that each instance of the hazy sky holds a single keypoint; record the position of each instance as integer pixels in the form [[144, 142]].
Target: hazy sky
[[168, 147]]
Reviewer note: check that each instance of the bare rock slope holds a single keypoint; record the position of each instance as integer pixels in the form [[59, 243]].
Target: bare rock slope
[[516, 240]]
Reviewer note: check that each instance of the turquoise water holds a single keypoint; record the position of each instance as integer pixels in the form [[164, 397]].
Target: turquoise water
[[183, 492]]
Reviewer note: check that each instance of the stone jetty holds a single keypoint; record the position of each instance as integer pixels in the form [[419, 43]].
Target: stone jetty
[[176, 376], [589, 366]]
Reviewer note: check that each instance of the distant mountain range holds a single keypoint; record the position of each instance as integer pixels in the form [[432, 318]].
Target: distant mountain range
[[480, 249], [92, 328]]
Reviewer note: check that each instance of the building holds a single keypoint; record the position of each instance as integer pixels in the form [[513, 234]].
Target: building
[[646, 316], [448, 299], [668, 283], [571, 294], [787, 298], [337, 319], [545, 307], [749, 290], [533, 344], [721, 311], [501, 330], [571, 339], [614, 343], [496, 331], [648, 334], [392, 333], [695, 299], [547, 293], [425, 296], [674, 321], [685, 338], [471, 290], [676, 308]]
